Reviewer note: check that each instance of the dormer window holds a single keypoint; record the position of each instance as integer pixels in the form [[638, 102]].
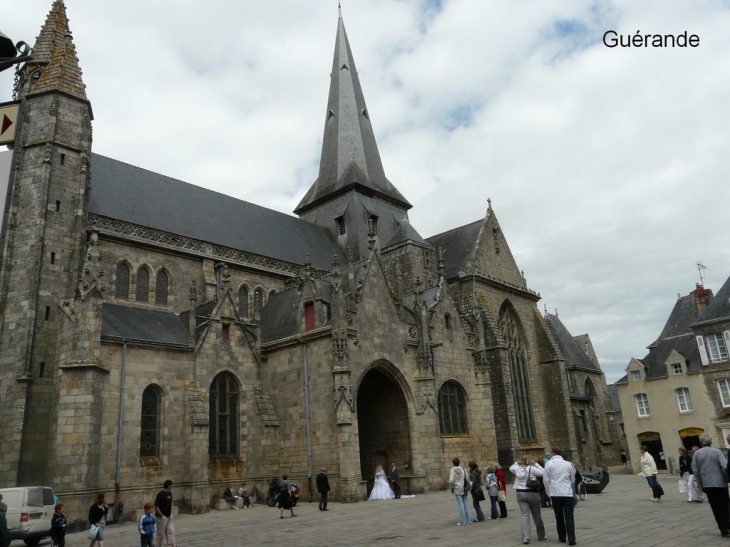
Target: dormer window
[[341, 228], [635, 375], [677, 368], [309, 317]]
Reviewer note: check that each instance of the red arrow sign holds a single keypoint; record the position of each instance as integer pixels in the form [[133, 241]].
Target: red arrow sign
[[7, 122]]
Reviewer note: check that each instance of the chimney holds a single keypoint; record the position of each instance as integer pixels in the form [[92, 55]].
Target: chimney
[[703, 297]]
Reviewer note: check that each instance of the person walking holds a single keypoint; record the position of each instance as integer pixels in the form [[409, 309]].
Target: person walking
[[395, 480], [710, 469], [97, 517], [559, 479], [698, 496], [323, 486], [285, 501], [528, 495], [163, 515], [685, 471], [457, 484], [649, 471], [624, 459]]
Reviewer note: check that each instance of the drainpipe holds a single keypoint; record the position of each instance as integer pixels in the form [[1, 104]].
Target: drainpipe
[[120, 434], [309, 419]]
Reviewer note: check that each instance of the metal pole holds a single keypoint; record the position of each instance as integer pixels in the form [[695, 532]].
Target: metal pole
[[308, 419], [120, 435]]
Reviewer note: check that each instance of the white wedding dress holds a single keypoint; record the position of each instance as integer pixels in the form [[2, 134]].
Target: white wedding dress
[[381, 489]]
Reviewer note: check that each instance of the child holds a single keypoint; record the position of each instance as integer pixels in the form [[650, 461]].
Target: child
[[243, 494], [492, 490], [147, 526], [58, 527]]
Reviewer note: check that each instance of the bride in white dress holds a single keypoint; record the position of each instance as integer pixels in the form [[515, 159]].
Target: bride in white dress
[[381, 490]]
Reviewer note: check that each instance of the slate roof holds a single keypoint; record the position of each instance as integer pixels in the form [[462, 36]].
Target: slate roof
[[456, 243], [140, 325], [350, 156], [575, 355], [429, 298], [279, 316], [405, 232], [132, 194], [719, 308], [676, 336]]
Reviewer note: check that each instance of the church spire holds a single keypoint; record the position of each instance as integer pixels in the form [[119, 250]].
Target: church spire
[[350, 159], [55, 53]]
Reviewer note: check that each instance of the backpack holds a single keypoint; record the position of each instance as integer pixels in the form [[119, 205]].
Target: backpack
[[492, 485], [467, 481]]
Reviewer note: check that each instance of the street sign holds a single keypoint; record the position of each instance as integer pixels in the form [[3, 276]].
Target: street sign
[[8, 122]]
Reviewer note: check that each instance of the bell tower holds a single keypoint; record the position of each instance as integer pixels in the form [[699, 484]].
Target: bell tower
[[45, 239]]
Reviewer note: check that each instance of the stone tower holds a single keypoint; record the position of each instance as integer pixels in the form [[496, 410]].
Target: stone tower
[[44, 246]]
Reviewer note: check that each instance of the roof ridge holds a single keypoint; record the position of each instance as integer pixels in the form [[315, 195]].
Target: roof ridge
[[457, 228]]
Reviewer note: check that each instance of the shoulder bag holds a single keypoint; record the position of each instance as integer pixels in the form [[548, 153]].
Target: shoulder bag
[[532, 483]]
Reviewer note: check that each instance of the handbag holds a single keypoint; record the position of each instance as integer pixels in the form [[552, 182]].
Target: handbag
[[658, 490], [501, 496], [682, 486], [532, 483], [93, 532], [479, 494]]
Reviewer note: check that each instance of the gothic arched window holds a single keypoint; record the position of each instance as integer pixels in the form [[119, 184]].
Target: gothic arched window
[[122, 287], [161, 288], [149, 443], [223, 412], [143, 285], [452, 409], [517, 352], [243, 302]]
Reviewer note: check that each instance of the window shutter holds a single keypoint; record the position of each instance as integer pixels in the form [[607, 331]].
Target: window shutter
[[726, 335], [703, 351]]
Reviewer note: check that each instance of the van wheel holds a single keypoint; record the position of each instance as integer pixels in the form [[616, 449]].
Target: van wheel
[[32, 541]]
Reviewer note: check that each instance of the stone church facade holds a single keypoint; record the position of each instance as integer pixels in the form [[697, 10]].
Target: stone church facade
[[152, 329]]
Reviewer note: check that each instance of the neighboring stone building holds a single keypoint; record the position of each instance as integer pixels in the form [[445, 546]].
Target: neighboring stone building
[[152, 329], [712, 333], [594, 417], [664, 395]]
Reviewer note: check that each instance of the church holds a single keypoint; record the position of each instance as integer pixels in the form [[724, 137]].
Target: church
[[153, 329]]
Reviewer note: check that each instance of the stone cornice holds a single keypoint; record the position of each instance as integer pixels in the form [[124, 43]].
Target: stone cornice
[[126, 231], [500, 284]]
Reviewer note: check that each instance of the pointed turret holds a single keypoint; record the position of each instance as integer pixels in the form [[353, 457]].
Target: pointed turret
[[55, 67], [352, 188]]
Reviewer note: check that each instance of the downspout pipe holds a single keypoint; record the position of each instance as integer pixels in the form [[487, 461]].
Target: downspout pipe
[[308, 415], [120, 435]]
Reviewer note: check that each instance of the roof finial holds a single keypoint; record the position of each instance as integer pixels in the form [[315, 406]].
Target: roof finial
[[339, 10]]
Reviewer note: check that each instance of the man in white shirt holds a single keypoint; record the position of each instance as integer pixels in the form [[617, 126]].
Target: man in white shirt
[[559, 477]]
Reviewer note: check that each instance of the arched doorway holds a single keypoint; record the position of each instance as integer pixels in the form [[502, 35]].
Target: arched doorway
[[691, 436], [382, 418], [653, 442]]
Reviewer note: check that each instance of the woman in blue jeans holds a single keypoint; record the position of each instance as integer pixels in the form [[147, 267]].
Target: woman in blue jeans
[[457, 481], [475, 475], [648, 470]]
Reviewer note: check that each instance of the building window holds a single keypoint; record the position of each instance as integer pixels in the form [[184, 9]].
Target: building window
[[122, 288], [447, 321], [223, 415], [677, 368], [684, 400], [642, 404], [635, 375], [142, 292], [226, 332], [452, 409], [623, 429], [374, 221], [512, 334], [718, 348], [724, 386], [243, 302], [309, 317], [341, 228], [150, 437], [161, 288]]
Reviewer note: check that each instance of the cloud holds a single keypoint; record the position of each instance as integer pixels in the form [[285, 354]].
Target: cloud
[[606, 167]]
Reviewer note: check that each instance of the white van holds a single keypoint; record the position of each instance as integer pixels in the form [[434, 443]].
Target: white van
[[30, 509]]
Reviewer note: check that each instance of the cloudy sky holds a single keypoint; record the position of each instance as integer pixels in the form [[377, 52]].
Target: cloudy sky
[[607, 167]]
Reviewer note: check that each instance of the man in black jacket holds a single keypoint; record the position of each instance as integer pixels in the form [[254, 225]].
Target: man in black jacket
[[395, 480], [323, 486]]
